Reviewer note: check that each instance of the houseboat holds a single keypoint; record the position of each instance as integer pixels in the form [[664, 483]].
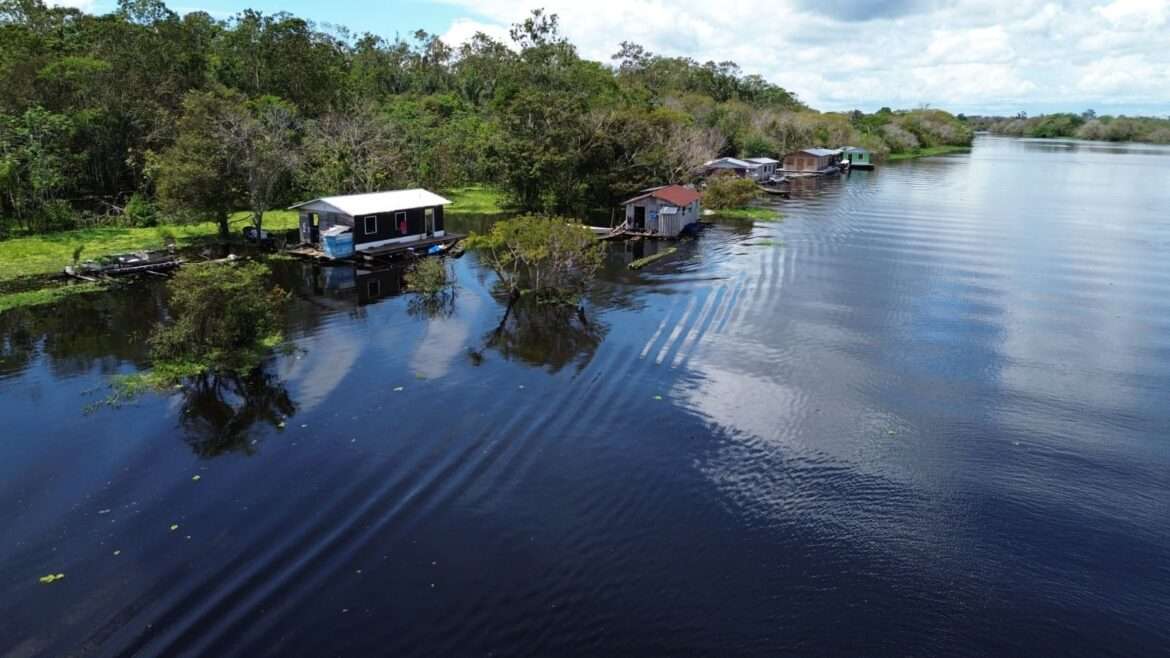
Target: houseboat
[[741, 168], [767, 168], [857, 157], [812, 162], [378, 223], [662, 212]]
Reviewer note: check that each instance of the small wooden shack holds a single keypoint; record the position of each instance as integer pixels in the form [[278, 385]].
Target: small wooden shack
[[741, 168], [812, 161], [663, 211], [767, 167], [376, 220], [857, 157]]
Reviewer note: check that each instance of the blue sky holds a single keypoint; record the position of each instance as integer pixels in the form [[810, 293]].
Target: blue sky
[[973, 56]]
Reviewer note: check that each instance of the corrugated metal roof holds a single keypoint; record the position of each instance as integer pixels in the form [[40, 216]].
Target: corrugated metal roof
[[731, 162], [675, 194], [854, 149], [763, 161], [820, 153], [375, 202]]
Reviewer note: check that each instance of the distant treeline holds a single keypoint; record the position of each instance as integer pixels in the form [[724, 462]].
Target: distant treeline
[[1086, 125], [144, 115]]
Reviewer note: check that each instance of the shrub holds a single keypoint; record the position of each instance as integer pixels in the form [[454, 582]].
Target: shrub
[[727, 192], [427, 276], [139, 211], [54, 215]]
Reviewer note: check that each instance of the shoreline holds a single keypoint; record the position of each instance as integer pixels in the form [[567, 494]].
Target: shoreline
[[927, 152]]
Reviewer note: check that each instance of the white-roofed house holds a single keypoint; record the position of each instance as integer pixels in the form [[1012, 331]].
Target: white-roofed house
[[376, 219], [741, 168], [767, 167]]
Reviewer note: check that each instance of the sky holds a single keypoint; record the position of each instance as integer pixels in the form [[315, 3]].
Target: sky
[[971, 56]]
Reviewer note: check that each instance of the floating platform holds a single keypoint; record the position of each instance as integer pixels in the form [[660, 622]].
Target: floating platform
[[414, 249]]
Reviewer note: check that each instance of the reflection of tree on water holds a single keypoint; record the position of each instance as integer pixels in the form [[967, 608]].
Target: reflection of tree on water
[[432, 305], [553, 335], [219, 411]]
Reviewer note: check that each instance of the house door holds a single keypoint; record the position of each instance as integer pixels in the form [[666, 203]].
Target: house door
[[639, 218], [429, 221], [308, 228]]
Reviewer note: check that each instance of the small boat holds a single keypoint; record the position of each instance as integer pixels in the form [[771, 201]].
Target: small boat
[[776, 185], [122, 264]]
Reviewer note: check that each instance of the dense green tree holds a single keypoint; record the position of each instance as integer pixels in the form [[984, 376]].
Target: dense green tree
[[198, 176], [35, 165]]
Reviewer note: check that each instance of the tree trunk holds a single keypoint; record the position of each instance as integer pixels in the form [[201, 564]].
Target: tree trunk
[[224, 229]]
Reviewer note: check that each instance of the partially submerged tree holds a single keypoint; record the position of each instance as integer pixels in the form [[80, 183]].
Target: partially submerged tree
[[433, 286], [728, 191], [224, 319], [550, 257]]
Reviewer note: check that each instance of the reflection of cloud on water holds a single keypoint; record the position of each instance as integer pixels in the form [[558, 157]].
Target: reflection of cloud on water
[[444, 340], [317, 372]]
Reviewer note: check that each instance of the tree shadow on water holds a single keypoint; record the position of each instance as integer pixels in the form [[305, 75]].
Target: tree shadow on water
[[548, 335], [219, 413]]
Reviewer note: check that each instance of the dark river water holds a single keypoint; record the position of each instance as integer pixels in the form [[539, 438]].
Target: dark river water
[[928, 414]]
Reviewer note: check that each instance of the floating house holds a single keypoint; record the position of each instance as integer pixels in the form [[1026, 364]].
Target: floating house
[[376, 223], [663, 211], [767, 167], [741, 168], [812, 161], [857, 157]]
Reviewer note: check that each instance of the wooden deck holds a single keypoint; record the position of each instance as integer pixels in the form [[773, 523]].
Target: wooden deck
[[386, 252]]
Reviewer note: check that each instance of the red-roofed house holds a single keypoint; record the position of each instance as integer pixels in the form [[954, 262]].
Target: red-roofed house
[[665, 211]]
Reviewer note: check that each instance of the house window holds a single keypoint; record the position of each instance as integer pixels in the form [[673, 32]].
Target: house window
[[370, 224], [400, 222]]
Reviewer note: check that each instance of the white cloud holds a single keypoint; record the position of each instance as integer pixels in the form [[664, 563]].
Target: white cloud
[[1135, 14], [463, 29], [962, 54], [83, 5]]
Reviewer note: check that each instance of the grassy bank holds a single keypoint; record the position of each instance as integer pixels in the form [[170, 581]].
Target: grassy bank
[[475, 200], [756, 214], [48, 253], [927, 152]]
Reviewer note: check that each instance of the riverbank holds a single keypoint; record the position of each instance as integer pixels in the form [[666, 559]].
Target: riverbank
[[927, 152], [27, 261]]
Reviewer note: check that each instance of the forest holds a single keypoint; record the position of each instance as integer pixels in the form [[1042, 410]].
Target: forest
[[147, 116], [1086, 125]]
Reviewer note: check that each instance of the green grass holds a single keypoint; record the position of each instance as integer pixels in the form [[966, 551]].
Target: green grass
[[475, 200], [927, 152], [757, 214], [45, 295], [49, 253]]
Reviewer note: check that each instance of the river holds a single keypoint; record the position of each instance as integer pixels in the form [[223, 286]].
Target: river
[[926, 414]]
